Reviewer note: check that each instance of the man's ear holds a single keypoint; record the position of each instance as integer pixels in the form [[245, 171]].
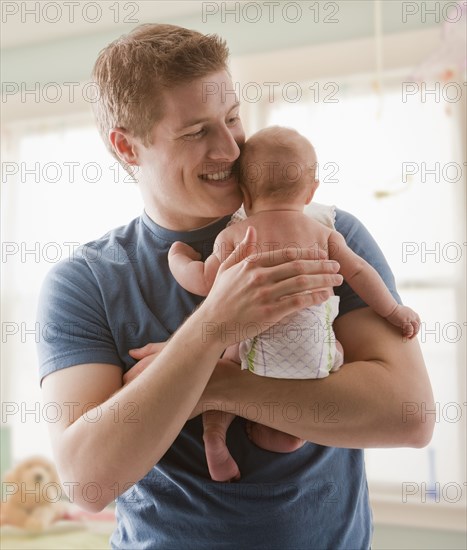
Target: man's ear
[[123, 145], [312, 191]]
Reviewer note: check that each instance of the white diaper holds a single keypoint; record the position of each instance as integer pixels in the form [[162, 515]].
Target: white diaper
[[302, 345]]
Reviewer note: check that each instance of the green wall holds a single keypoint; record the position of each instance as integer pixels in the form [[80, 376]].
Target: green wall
[[71, 59]]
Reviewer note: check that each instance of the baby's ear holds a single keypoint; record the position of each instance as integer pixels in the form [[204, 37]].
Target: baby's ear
[[247, 201], [312, 191]]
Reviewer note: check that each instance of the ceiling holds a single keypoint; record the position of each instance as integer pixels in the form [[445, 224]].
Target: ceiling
[[50, 21]]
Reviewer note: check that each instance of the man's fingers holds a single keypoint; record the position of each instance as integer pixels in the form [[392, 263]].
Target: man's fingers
[[317, 296], [299, 301], [328, 270], [144, 355], [267, 256], [304, 283], [148, 349], [298, 276], [138, 368], [132, 374]]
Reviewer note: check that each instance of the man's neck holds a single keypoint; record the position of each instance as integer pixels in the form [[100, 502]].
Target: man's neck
[[180, 224]]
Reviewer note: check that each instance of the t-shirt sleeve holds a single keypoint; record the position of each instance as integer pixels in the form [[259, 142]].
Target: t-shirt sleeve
[[73, 324], [362, 243]]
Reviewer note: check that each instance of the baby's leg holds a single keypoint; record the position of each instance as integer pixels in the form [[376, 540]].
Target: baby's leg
[[272, 440], [263, 436], [221, 465], [275, 440], [339, 357], [232, 353]]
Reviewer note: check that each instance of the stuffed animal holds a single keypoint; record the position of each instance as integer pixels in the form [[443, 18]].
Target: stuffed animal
[[31, 495]]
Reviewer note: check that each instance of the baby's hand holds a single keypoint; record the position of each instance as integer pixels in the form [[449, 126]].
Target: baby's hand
[[407, 319], [182, 248]]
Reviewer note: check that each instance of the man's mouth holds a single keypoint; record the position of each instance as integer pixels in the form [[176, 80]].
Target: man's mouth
[[217, 176]]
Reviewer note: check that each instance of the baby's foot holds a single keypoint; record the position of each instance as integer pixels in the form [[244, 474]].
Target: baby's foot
[[271, 439], [221, 465]]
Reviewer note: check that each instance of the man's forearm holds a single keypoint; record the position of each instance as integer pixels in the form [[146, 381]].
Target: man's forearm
[[374, 400], [160, 399]]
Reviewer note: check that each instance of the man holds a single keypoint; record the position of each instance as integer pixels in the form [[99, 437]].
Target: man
[[165, 111]]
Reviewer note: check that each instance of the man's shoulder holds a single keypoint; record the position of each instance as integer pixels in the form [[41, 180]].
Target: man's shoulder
[[356, 235], [117, 246], [345, 222], [113, 244]]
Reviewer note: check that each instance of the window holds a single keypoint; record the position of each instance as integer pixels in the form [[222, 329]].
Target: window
[[61, 188], [397, 166]]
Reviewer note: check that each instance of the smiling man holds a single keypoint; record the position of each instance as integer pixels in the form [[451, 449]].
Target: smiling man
[[146, 449]]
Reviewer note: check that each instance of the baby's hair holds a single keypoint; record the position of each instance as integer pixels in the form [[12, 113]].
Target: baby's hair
[[277, 162]]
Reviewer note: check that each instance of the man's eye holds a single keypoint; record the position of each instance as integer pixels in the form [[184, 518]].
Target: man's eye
[[195, 135], [234, 119]]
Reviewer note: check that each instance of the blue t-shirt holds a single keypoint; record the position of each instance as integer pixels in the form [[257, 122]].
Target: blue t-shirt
[[117, 293]]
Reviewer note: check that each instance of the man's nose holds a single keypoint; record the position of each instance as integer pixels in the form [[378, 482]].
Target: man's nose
[[223, 146]]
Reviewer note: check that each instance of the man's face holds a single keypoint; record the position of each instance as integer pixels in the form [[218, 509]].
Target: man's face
[[186, 175]]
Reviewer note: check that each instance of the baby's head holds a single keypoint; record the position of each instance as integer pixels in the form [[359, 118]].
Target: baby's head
[[278, 164]]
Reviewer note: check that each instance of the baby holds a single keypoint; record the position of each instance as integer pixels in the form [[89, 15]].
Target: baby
[[277, 178]]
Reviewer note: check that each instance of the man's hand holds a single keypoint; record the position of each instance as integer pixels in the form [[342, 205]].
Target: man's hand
[[144, 355]]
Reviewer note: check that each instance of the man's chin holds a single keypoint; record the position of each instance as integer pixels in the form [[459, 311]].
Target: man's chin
[[230, 206]]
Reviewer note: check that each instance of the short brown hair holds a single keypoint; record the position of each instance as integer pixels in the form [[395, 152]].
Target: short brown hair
[[132, 71]]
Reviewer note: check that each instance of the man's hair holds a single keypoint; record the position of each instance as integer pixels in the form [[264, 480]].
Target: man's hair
[[277, 162], [132, 72]]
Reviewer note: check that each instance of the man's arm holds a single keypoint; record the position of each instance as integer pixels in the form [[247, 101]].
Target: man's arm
[[137, 423], [369, 402]]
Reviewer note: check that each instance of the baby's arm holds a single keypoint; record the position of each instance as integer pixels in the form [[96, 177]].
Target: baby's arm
[[189, 271], [367, 283]]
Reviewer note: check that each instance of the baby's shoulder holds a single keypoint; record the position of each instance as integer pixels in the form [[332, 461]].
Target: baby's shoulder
[[231, 232], [316, 226]]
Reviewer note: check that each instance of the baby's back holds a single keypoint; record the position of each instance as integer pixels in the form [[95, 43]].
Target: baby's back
[[278, 229]]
